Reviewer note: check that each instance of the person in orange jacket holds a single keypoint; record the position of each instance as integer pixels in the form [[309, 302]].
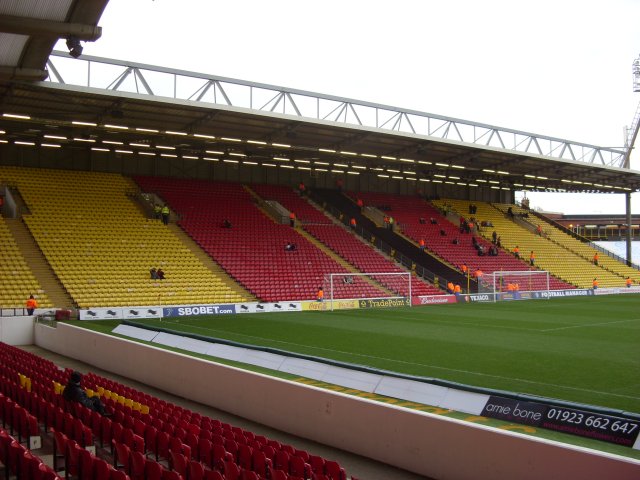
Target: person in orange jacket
[[292, 219], [450, 287], [628, 282], [31, 305], [422, 244], [353, 223]]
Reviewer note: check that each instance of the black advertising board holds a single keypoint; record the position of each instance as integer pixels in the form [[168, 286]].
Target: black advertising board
[[607, 428]]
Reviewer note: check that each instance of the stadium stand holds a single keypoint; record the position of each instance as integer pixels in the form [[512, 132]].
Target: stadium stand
[[359, 254], [144, 437], [101, 246], [550, 256], [18, 282], [408, 211], [583, 249], [252, 250]]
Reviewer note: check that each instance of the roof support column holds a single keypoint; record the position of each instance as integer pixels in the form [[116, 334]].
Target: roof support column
[[628, 211]]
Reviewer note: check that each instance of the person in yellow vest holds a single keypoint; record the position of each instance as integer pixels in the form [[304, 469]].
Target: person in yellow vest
[[532, 258], [450, 287], [595, 283], [320, 295], [292, 219], [31, 305], [165, 214], [628, 282], [516, 251], [595, 259]]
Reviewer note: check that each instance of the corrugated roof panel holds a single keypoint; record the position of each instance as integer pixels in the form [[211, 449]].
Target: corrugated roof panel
[[43, 9], [11, 46]]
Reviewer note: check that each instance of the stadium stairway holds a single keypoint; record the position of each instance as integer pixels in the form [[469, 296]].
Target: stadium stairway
[[38, 264], [560, 262], [400, 244], [17, 279], [208, 262], [312, 214], [577, 245]]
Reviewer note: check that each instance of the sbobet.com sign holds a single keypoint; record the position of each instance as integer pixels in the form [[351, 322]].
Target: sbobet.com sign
[[190, 310]]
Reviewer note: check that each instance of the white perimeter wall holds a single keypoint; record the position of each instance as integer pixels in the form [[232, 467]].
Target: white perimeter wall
[[427, 444]]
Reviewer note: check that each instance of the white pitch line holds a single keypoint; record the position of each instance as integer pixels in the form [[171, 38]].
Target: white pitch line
[[590, 325], [609, 394]]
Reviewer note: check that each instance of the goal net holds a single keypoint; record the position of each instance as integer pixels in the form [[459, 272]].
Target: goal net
[[505, 285], [376, 289]]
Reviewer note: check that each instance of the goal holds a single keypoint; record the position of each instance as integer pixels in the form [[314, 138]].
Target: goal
[[371, 289], [515, 285]]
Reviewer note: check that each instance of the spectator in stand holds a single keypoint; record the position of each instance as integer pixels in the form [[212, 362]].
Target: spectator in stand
[[320, 295], [455, 241], [450, 286], [226, 223], [73, 392], [154, 273], [422, 244], [481, 251], [627, 282], [353, 223], [360, 204], [165, 214], [292, 219], [532, 258], [160, 273], [595, 259], [499, 242], [464, 269], [516, 251], [386, 222], [290, 247], [494, 237], [301, 188], [595, 283], [443, 233], [31, 305], [539, 230], [422, 221], [510, 212], [463, 222], [433, 221], [457, 291]]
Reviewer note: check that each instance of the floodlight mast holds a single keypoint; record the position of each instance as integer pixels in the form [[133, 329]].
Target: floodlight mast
[[630, 140]]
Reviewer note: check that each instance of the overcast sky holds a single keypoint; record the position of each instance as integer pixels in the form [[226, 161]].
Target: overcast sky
[[560, 68]]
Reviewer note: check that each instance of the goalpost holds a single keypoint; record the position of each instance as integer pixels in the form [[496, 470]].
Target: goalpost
[[516, 284], [386, 288]]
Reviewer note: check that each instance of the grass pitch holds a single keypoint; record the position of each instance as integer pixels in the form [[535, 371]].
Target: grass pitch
[[584, 350]]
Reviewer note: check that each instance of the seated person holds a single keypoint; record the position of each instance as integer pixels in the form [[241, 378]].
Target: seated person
[[433, 221], [480, 250], [153, 273], [290, 247], [160, 274], [226, 223], [454, 241], [510, 212], [422, 221], [443, 233], [73, 392]]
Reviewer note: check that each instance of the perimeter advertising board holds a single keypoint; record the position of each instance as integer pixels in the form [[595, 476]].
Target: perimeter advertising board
[[607, 428], [326, 305]]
